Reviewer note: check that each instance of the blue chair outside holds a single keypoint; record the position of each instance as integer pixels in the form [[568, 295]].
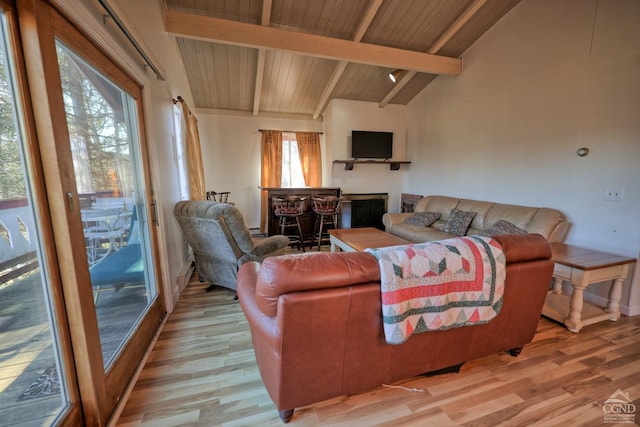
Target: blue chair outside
[[123, 267]]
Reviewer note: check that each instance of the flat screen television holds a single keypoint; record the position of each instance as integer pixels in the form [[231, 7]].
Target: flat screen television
[[371, 145]]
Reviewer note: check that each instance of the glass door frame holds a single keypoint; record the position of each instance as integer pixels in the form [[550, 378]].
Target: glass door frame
[[99, 391], [72, 414]]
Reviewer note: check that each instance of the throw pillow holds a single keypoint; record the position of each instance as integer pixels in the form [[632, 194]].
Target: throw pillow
[[423, 219], [458, 222], [504, 227]]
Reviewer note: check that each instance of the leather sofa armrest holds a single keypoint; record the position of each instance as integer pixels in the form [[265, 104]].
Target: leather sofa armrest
[[524, 247], [312, 271], [247, 280]]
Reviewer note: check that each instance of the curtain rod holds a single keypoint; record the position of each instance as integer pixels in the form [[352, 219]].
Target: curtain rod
[[112, 14], [291, 131], [176, 100]]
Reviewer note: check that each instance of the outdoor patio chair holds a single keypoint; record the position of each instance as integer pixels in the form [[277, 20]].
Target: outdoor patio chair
[[122, 267]]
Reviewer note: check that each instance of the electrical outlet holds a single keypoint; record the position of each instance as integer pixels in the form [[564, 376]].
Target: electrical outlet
[[613, 194]]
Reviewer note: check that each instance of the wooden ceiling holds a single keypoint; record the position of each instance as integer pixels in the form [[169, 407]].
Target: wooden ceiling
[[291, 57]]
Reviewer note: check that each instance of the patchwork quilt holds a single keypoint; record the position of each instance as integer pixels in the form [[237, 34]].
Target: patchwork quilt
[[440, 285]]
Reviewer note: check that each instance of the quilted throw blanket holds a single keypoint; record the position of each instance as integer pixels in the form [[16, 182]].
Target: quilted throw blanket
[[439, 285]]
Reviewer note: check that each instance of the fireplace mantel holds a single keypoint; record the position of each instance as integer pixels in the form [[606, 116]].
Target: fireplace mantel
[[394, 165]]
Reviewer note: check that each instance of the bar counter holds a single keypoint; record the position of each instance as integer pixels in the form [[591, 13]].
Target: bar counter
[[307, 220]]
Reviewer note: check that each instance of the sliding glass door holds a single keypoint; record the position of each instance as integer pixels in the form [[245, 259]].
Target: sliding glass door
[[79, 304], [103, 136], [33, 375]]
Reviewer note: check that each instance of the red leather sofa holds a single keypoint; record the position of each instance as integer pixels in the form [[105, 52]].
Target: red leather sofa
[[317, 332]]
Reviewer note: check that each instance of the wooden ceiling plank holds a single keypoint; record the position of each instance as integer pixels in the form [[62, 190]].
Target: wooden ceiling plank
[[213, 29], [266, 12], [457, 25], [366, 19], [259, 77], [342, 65], [266, 18], [397, 87], [333, 81], [442, 40]]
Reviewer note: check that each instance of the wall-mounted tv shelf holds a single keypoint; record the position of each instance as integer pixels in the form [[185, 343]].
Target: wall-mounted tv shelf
[[394, 165]]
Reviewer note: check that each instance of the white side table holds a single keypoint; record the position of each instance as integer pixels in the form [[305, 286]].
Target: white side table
[[582, 267]]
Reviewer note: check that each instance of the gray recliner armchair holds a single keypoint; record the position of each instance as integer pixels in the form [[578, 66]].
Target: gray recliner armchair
[[221, 241]]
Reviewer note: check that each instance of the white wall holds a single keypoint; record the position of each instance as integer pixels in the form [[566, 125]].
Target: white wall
[[231, 151], [231, 154], [161, 132], [341, 117], [550, 77]]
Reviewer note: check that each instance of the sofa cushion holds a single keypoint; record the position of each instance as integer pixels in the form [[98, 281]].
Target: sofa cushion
[[504, 227], [458, 222], [441, 204], [418, 233], [424, 219], [480, 208], [520, 216]]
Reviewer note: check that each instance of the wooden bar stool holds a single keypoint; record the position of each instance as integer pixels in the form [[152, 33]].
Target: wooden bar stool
[[289, 210], [221, 197], [326, 211]]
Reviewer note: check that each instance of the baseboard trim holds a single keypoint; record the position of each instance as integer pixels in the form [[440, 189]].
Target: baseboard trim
[[633, 311], [184, 275], [602, 302]]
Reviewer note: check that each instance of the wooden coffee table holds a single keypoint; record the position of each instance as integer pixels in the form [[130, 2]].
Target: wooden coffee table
[[359, 239]]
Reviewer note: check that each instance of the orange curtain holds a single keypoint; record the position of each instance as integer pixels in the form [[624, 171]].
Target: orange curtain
[[271, 175], [310, 158], [194, 154]]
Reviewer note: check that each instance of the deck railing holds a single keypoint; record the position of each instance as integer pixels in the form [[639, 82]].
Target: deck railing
[[17, 239]]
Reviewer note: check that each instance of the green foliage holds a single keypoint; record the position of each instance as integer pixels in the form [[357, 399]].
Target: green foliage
[[95, 119], [12, 183], [97, 131]]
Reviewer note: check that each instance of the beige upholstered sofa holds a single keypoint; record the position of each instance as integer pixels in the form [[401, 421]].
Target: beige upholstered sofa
[[550, 223]]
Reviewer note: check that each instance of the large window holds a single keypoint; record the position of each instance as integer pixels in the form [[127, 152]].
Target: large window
[[291, 167]]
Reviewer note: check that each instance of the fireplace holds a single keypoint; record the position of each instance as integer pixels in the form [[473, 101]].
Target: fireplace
[[364, 210]]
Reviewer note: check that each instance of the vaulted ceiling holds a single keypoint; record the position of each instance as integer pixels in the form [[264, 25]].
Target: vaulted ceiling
[[291, 57]]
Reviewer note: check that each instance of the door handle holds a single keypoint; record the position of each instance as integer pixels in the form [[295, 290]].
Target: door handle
[[69, 201], [154, 213]]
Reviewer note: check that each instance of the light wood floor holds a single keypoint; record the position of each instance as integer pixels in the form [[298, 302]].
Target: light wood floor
[[202, 371]]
